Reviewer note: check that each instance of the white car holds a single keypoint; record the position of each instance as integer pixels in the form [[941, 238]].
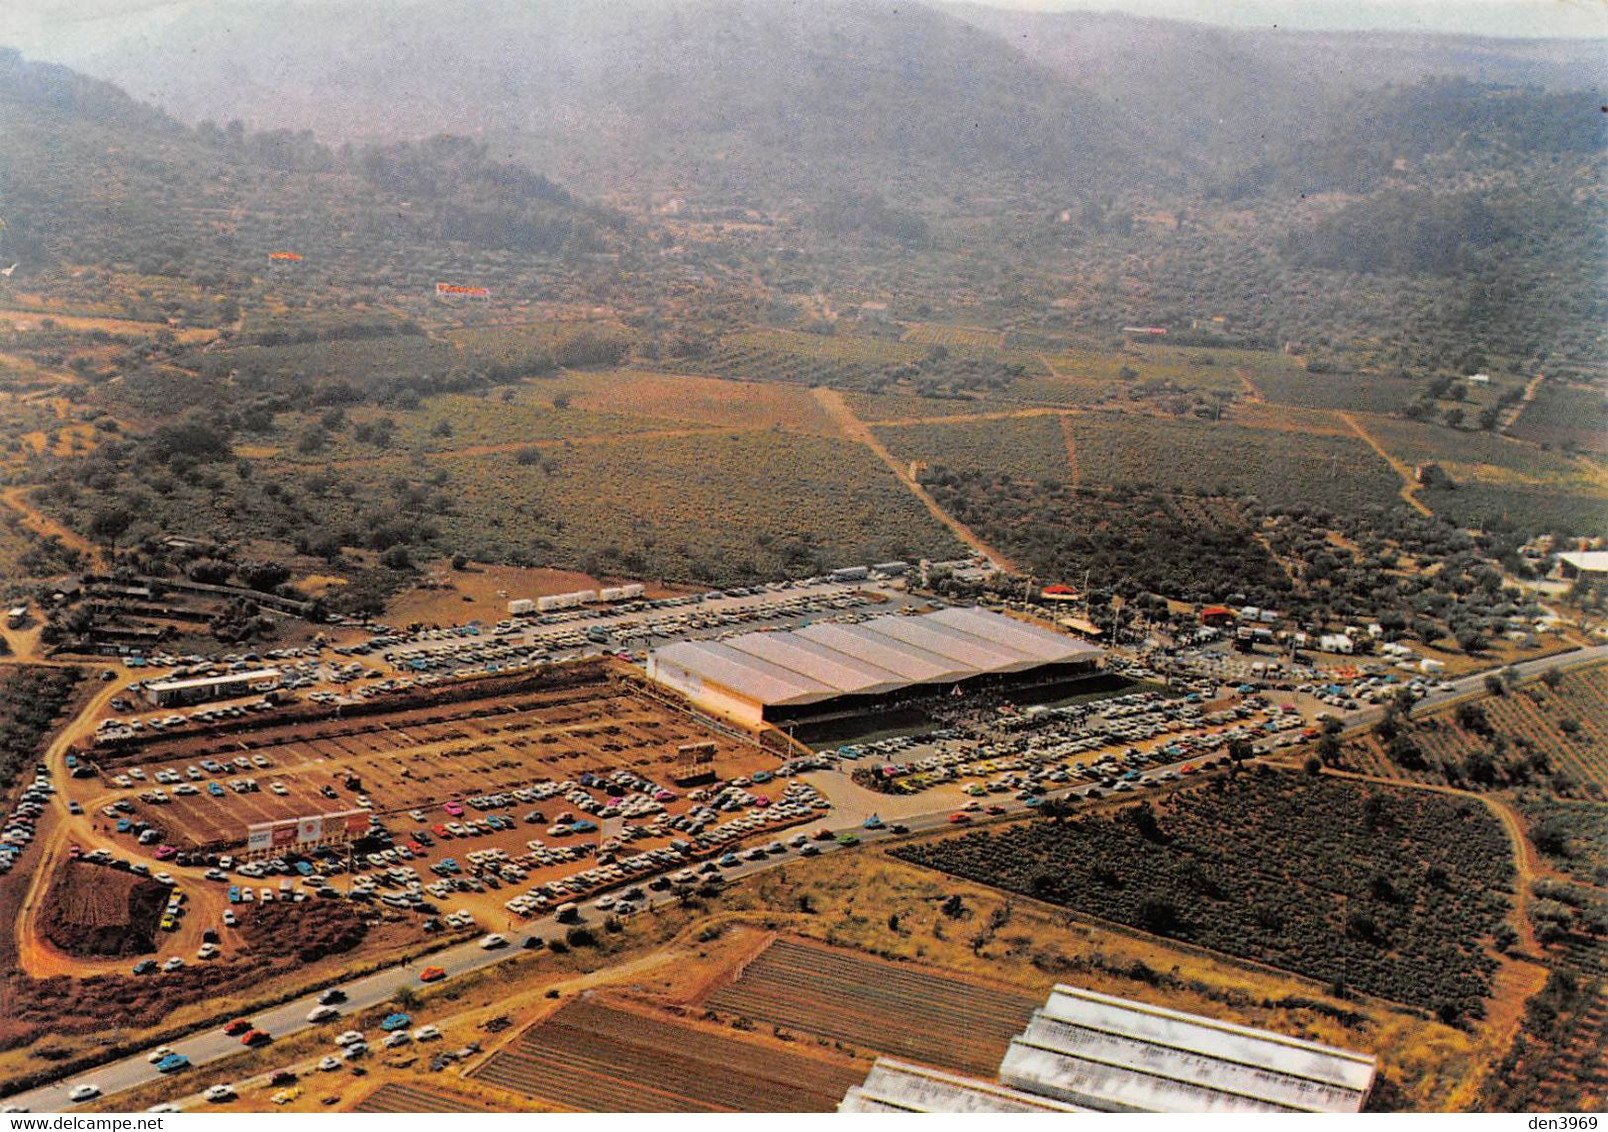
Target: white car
[[322, 1014], [427, 1033], [158, 1054], [493, 942], [208, 951], [173, 964], [83, 1092], [350, 1038], [400, 1038], [329, 1064], [165, 1106], [218, 1093]]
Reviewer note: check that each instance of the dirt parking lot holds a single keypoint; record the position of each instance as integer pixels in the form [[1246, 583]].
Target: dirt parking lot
[[418, 758]]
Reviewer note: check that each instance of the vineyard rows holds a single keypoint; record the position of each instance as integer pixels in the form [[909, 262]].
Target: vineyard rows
[[600, 1059], [874, 1005], [1529, 718], [1393, 892]]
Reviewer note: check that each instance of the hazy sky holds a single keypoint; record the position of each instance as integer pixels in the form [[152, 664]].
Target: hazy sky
[[65, 29]]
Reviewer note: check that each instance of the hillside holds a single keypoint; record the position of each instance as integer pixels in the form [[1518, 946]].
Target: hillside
[[1228, 93], [685, 96], [90, 177]]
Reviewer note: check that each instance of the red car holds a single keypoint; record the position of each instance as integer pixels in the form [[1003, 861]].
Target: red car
[[432, 974], [256, 1038], [237, 1027], [959, 819]]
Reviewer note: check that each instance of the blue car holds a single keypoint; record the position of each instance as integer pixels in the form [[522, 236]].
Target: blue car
[[172, 1063], [214, 789], [872, 822], [583, 827], [124, 825], [234, 894], [395, 1022], [730, 861], [145, 967]]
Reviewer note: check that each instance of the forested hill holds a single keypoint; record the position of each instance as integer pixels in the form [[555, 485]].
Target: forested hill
[[1228, 94], [89, 176], [734, 96]]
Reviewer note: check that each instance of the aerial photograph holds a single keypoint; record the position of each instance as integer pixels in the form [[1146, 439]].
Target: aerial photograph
[[803, 556]]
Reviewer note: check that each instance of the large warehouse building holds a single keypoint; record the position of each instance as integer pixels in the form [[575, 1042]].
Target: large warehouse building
[[1090, 1052], [776, 677]]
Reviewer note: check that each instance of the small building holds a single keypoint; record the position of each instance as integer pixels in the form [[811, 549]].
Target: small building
[[16, 617], [1478, 379], [1217, 616], [1337, 643], [1589, 564], [200, 689]]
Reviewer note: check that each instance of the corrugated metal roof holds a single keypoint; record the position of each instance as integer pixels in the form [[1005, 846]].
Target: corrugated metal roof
[[1115, 1054], [841, 670], [747, 675], [916, 666], [976, 653], [1020, 637], [895, 1086], [876, 656]]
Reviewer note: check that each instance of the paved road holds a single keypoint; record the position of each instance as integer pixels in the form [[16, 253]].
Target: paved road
[[462, 959]]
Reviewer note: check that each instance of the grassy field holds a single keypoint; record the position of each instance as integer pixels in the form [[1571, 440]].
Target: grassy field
[[1336, 472], [1031, 448], [721, 507], [1565, 416], [1353, 392]]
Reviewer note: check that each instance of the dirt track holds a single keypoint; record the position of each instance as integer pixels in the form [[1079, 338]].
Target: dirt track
[[854, 428]]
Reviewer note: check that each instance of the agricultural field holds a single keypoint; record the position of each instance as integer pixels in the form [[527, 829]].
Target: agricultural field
[[1572, 833], [1184, 547], [1525, 510], [904, 404], [594, 1057], [1338, 473], [728, 508], [1534, 734], [938, 334], [1393, 892], [1351, 392], [1030, 448], [514, 416], [1559, 1060], [903, 1011], [1567, 417], [397, 1097], [862, 363], [671, 399], [1481, 456]]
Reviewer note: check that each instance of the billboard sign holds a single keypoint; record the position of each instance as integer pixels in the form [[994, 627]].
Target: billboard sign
[[309, 829], [284, 833], [259, 837]]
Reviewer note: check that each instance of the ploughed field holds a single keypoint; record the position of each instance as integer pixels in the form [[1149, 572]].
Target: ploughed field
[[889, 1008], [397, 1097], [594, 1057]]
